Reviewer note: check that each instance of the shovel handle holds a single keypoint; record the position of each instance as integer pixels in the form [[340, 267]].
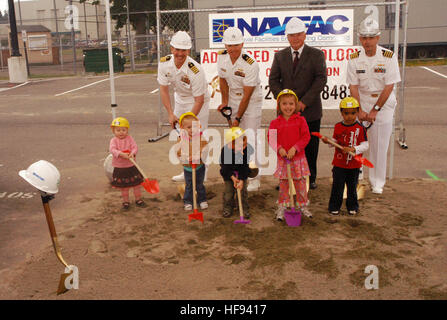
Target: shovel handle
[[138, 167], [317, 134], [291, 186], [239, 200], [52, 228], [194, 186]]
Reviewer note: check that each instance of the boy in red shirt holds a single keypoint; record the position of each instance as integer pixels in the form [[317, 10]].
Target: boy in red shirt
[[350, 134]]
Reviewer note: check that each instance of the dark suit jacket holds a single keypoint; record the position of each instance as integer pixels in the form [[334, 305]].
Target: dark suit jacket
[[307, 82]]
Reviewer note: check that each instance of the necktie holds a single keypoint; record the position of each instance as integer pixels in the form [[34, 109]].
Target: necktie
[[295, 60]]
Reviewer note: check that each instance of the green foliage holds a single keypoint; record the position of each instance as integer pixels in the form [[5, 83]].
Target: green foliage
[[144, 21]]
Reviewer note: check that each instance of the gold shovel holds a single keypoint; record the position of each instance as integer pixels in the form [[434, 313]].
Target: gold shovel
[[57, 249]]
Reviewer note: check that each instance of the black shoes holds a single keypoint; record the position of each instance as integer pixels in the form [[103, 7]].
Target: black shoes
[[312, 185]]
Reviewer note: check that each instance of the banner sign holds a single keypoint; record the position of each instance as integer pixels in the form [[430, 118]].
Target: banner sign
[[335, 89], [267, 29]]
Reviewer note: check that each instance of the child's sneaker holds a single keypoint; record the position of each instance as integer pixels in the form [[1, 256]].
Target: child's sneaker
[[280, 213], [188, 207], [306, 212], [334, 213], [203, 205], [246, 215], [126, 206]]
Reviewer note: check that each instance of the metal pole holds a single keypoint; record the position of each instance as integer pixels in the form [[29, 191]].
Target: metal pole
[[159, 127], [97, 22], [20, 13], [402, 138], [58, 35], [129, 39], [109, 45], [73, 37], [15, 52], [85, 23], [396, 51]]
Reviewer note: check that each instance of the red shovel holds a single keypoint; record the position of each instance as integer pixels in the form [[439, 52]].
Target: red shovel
[[150, 186], [196, 214], [358, 157]]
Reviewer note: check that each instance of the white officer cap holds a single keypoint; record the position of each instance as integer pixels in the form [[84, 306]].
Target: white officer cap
[[369, 28], [295, 25], [181, 40], [233, 35]]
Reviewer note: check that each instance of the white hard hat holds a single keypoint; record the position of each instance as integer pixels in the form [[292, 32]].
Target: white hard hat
[[181, 40], [295, 25], [42, 175], [369, 28], [233, 35]]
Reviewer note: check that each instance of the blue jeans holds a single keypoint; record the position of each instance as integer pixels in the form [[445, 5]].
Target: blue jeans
[[200, 188]]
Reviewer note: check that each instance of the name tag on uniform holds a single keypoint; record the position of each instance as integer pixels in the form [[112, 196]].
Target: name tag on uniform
[[360, 71], [240, 73]]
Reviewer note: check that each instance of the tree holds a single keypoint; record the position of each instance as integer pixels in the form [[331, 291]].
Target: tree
[[142, 21]]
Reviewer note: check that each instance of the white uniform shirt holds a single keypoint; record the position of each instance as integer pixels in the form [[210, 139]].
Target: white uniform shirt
[[188, 82], [371, 74], [243, 73]]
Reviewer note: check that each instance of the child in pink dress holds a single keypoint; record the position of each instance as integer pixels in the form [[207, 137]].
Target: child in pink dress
[[288, 135], [125, 174]]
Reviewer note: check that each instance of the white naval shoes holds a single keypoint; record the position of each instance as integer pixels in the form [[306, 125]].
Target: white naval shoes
[[179, 178], [253, 184], [377, 190]]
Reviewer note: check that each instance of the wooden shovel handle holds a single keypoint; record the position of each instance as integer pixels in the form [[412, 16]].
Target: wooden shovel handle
[[194, 186], [291, 186], [138, 167], [239, 199], [332, 142]]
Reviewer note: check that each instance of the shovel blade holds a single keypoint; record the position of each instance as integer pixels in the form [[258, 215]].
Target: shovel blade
[[293, 218], [151, 186], [364, 161], [241, 220], [195, 216], [62, 288]]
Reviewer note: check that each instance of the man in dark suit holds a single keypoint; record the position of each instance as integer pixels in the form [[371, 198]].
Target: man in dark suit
[[302, 69]]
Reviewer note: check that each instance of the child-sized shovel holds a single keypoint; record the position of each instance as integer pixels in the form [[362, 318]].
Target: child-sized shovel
[[150, 186], [241, 209], [357, 157], [293, 216], [196, 214]]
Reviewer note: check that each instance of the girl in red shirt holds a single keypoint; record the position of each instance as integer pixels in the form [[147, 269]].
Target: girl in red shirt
[[288, 135]]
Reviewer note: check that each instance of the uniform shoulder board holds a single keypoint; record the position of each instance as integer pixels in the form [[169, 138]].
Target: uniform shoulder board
[[165, 58], [247, 58], [387, 53], [193, 67], [354, 55], [222, 52]]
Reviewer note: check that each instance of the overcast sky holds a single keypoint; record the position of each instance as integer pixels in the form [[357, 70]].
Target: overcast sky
[[4, 5]]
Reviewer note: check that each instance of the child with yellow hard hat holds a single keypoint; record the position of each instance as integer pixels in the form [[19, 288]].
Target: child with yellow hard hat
[[351, 135], [192, 151], [125, 175], [234, 169]]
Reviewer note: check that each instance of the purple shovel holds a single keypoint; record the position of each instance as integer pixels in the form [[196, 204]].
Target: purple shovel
[[241, 210], [293, 217]]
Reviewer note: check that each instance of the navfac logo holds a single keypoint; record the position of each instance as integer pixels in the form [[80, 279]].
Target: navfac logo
[[272, 25], [219, 27]]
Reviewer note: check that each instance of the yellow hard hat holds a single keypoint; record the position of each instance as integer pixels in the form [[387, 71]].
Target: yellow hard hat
[[187, 114], [349, 103], [120, 122], [283, 92], [233, 134]]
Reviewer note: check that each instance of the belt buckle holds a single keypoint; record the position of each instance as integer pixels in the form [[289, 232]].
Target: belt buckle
[[374, 95]]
